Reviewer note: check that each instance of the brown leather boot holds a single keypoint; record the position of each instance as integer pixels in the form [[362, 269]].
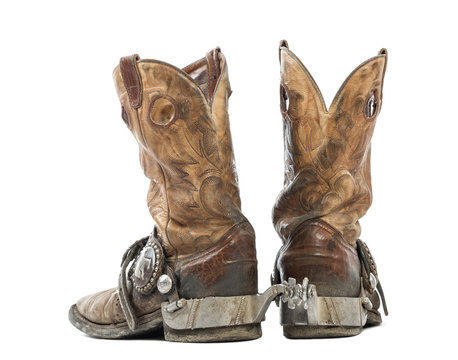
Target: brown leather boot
[[327, 189], [196, 275]]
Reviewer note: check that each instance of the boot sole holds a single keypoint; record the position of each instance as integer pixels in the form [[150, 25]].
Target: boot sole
[[222, 334], [147, 324], [317, 332], [152, 324]]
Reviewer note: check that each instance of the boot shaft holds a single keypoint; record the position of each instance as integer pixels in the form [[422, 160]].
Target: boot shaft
[[179, 119], [327, 152], [327, 189]]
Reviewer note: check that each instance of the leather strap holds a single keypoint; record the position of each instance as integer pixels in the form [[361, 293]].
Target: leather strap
[[132, 80], [123, 293], [214, 71]]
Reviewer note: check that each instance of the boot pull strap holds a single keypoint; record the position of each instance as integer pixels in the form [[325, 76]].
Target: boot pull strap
[[284, 44], [214, 70], [132, 80]]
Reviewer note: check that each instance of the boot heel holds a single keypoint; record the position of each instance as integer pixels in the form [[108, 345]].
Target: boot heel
[[304, 314], [216, 319], [221, 334], [316, 332]]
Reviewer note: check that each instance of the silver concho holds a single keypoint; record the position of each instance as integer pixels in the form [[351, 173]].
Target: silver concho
[[164, 284], [147, 267]]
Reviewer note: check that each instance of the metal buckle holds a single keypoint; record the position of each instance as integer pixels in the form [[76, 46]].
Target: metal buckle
[[148, 267]]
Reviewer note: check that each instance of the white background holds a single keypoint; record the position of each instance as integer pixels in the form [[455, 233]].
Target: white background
[[73, 196]]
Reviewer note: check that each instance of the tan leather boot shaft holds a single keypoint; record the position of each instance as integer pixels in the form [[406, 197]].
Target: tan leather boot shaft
[[179, 119], [327, 152]]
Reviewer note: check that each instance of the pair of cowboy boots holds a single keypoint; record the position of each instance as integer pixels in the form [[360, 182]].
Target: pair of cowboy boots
[[195, 276]]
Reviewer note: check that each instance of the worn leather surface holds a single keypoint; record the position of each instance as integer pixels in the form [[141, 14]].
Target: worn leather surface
[[102, 307], [180, 121], [327, 186], [193, 195], [227, 266], [319, 252], [327, 152]]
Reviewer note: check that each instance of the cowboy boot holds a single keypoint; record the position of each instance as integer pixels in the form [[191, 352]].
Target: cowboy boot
[[196, 275], [327, 189]]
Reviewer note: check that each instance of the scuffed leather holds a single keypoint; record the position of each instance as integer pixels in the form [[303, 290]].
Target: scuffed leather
[[102, 307], [327, 152], [193, 195], [226, 269], [320, 253], [327, 186]]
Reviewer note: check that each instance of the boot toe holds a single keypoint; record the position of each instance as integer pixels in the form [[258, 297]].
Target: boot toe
[[101, 308]]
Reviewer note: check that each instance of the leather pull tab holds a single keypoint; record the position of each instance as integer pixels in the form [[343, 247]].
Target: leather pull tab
[[132, 80], [214, 71], [284, 44]]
